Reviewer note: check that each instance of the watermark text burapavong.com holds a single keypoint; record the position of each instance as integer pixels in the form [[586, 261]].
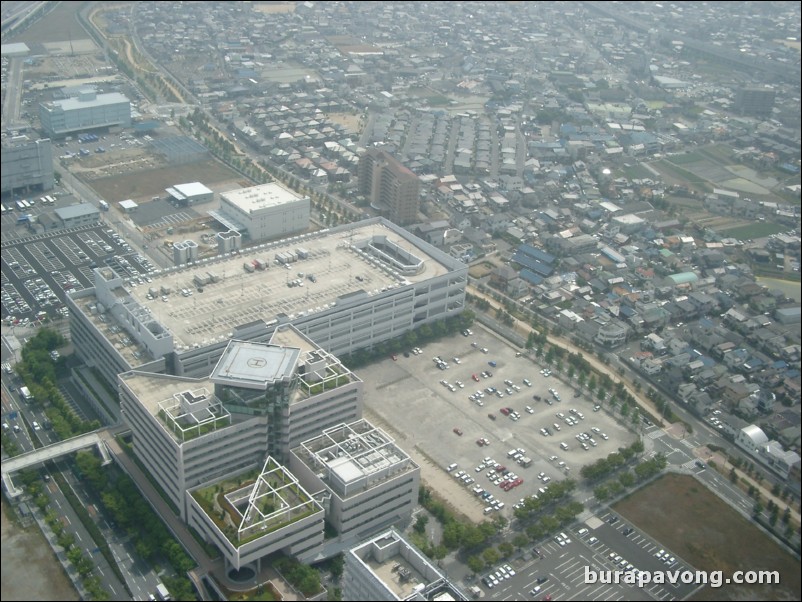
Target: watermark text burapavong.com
[[687, 577]]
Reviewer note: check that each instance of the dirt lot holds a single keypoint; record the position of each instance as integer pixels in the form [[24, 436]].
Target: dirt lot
[[26, 558], [270, 8], [145, 184], [350, 122], [692, 521]]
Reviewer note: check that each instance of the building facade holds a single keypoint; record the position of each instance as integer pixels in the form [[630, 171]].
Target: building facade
[[369, 482], [27, 165], [86, 111], [389, 186], [755, 102], [261, 399]]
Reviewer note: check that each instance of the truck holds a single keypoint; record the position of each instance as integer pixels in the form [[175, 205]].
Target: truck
[[162, 593], [23, 219], [26, 394], [525, 462], [83, 152], [103, 205]]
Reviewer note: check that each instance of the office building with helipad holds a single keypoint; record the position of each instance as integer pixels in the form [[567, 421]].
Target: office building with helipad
[[261, 399], [346, 288]]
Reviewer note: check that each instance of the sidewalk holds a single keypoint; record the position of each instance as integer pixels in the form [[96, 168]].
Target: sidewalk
[[595, 363]]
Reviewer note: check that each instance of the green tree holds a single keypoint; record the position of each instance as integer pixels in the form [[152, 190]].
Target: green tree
[[601, 493], [520, 541], [475, 563], [491, 556], [420, 523], [506, 549]]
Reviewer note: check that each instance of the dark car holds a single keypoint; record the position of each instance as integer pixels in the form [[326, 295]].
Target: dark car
[[491, 416], [542, 579]]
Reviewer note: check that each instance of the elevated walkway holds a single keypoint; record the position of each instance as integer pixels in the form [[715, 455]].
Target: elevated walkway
[[52, 452]]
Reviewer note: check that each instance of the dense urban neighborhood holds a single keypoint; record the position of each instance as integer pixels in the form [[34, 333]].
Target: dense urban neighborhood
[[401, 300]]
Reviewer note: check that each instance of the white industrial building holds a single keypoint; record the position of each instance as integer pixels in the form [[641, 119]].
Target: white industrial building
[[87, 111], [190, 194], [346, 288], [264, 212]]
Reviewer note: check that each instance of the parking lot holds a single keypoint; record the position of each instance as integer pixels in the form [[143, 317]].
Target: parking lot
[[450, 428], [557, 570], [38, 270]]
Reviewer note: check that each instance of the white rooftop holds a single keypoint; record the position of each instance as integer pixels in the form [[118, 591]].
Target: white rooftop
[[260, 197], [190, 189], [98, 100]]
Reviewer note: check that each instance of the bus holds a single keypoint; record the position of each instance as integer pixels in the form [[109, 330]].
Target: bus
[[20, 205]]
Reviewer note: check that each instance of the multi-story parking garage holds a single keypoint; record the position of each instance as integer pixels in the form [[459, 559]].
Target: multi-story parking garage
[[346, 288]]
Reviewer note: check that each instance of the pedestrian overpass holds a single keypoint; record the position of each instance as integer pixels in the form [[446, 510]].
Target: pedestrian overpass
[[51, 452]]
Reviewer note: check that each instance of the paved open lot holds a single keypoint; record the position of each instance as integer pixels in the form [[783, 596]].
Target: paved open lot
[[408, 395], [600, 546]]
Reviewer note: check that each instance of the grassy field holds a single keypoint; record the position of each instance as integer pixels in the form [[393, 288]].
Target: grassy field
[[703, 530], [758, 230], [152, 182], [685, 158], [58, 25], [634, 172], [669, 170]]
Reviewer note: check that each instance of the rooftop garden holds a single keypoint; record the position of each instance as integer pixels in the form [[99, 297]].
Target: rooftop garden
[[188, 416], [255, 503]]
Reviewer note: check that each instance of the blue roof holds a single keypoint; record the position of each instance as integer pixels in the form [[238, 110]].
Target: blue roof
[[612, 255], [626, 311], [753, 361], [536, 253], [530, 277], [534, 265]]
